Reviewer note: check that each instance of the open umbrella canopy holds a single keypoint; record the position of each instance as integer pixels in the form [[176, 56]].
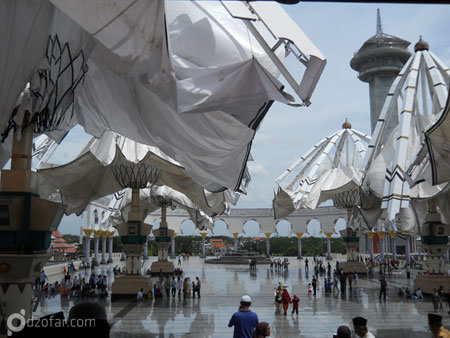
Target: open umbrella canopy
[[330, 168], [113, 162], [186, 77]]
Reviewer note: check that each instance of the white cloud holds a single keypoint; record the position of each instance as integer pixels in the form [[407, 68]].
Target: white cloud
[[257, 169]]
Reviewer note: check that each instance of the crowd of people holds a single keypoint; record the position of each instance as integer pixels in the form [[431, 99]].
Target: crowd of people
[[171, 286], [246, 323], [73, 285]]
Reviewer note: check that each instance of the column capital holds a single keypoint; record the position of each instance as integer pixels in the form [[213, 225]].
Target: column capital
[[328, 234], [105, 233], [391, 233], [203, 233], [111, 233], [381, 234], [369, 234], [235, 234], [299, 234], [174, 234], [97, 233], [88, 232], [267, 234]]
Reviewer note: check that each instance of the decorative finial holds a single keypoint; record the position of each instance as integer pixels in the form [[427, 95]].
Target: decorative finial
[[421, 45], [379, 28], [346, 125]]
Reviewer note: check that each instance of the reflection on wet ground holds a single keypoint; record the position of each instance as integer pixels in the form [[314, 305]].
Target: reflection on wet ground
[[222, 287]]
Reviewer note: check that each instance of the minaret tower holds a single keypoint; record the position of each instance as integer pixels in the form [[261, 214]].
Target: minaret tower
[[378, 62]]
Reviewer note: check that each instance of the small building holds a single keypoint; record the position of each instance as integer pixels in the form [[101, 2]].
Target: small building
[[59, 246]]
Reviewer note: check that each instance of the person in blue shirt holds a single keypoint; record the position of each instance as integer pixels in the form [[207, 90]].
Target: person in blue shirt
[[244, 321]]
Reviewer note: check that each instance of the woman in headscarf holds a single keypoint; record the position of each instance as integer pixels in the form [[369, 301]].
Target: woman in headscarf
[[261, 330], [285, 300]]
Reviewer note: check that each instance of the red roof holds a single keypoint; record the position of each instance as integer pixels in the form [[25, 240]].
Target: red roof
[[60, 245]]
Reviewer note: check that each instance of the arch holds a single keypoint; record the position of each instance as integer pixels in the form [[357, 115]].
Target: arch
[[220, 228], [341, 224], [283, 228], [251, 228], [188, 228], [314, 228]]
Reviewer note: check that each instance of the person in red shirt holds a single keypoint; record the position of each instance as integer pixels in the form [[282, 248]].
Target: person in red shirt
[[285, 299], [295, 301]]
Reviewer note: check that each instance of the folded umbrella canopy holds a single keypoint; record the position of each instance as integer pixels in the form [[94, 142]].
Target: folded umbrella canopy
[[331, 168], [415, 100], [185, 77]]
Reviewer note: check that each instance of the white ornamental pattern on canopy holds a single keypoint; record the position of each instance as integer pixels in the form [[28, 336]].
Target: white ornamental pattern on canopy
[[415, 99], [331, 169], [182, 76]]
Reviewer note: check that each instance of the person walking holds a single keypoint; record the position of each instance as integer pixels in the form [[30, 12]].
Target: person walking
[[167, 287], [314, 284], [383, 288], [295, 301], [42, 278], [262, 330], [179, 286], [174, 287], [285, 300], [277, 302], [244, 321], [197, 287], [436, 299]]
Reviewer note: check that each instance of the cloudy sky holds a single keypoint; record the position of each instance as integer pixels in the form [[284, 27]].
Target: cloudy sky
[[338, 30]]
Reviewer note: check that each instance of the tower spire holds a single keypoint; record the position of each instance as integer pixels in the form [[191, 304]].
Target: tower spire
[[379, 28]]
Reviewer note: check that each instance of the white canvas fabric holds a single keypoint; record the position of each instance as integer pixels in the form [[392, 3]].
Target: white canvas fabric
[[324, 171], [24, 27], [147, 206], [91, 175], [392, 151], [185, 77], [331, 183]]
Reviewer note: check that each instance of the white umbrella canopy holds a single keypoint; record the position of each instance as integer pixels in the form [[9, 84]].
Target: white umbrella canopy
[[181, 76], [415, 99], [338, 157], [113, 162], [147, 206]]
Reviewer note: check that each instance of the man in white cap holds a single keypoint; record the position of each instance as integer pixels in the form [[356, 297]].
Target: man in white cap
[[244, 321]]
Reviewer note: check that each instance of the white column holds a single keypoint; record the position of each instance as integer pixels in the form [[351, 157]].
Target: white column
[[407, 251], [96, 242], [329, 248], [87, 250], [103, 250], [394, 248], [371, 246], [382, 249], [110, 247], [203, 247]]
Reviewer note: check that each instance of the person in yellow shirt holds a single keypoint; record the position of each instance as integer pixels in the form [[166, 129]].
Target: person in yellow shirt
[[436, 327]]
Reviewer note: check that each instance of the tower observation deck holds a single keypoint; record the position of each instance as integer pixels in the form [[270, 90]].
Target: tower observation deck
[[378, 62]]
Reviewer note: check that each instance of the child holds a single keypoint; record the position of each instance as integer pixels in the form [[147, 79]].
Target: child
[[295, 302], [309, 288]]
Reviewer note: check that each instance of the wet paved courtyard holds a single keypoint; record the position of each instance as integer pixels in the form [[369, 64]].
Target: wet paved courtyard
[[222, 287]]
